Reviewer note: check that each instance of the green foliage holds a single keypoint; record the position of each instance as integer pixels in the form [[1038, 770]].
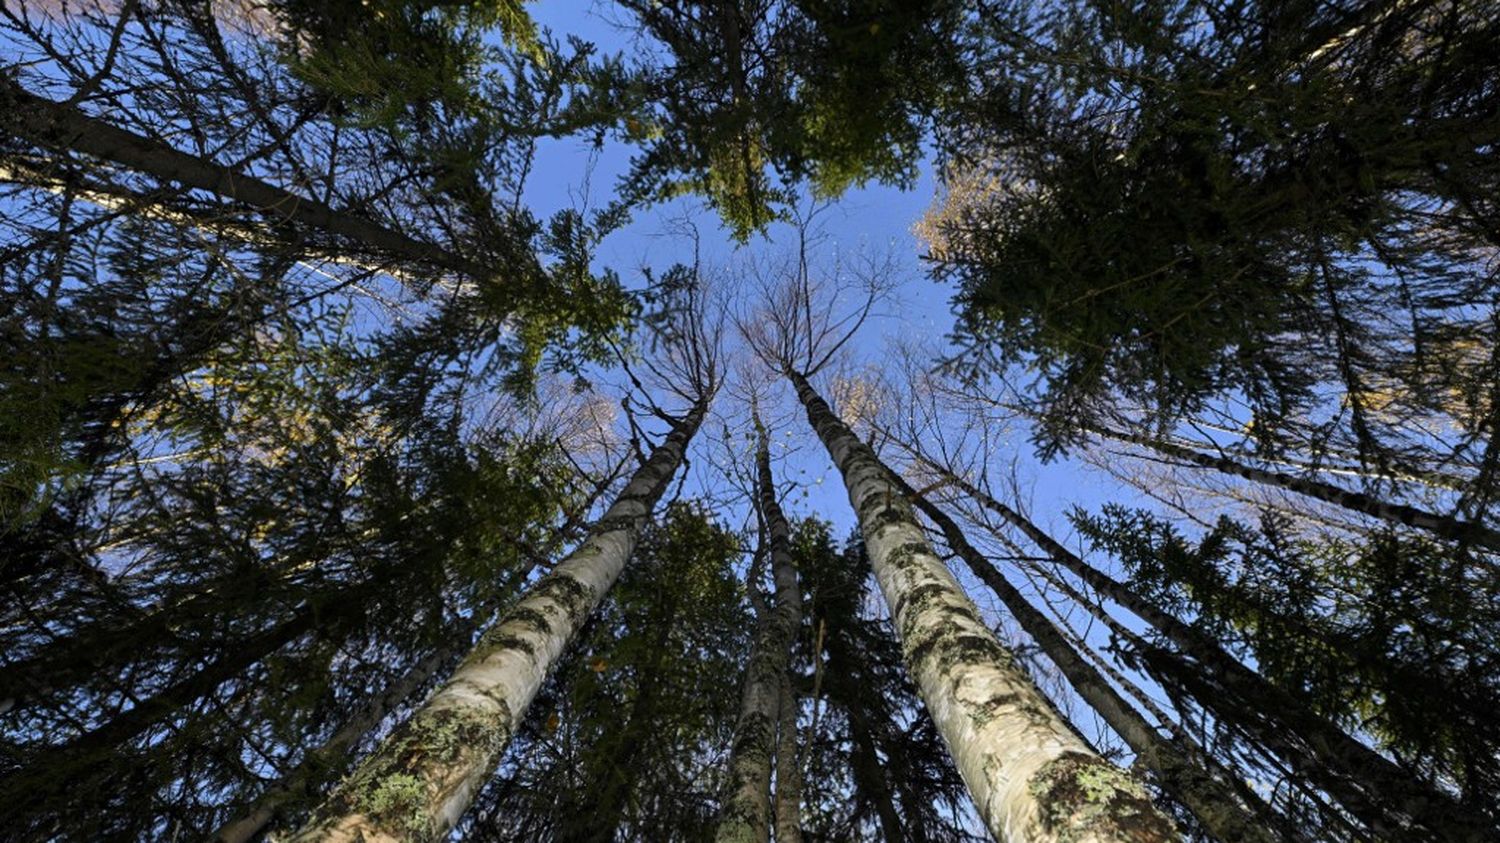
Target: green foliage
[[1276, 211], [302, 496], [1388, 634], [387, 61], [626, 737], [758, 99]]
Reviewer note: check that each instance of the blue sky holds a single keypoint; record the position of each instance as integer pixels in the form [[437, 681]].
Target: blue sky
[[572, 174]]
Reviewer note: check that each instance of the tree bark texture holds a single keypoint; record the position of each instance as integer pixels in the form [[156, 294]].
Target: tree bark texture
[[419, 782], [746, 815], [1032, 778], [1370, 785], [1184, 771]]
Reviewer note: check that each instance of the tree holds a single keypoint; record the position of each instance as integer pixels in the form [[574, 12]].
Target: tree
[[627, 739], [340, 491], [878, 768], [423, 777], [760, 738], [1181, 767], [1327, 620], [1326, 755], [1152, 214], [758, 98], [1025, 768]]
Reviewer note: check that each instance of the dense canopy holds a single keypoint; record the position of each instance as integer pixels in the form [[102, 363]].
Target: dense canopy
[[484, 421]]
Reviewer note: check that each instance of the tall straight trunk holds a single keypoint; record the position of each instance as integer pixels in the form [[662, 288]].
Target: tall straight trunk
[[788, 768], [299, 784], [422, 778], [746, 814], [1370, 785], [64, 127], [1442, 525], [1183, 769], [1032, 778]]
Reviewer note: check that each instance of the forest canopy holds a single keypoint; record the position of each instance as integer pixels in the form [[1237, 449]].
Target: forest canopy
[[493, 421]]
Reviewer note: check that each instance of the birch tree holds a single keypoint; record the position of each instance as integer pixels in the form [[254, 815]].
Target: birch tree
[[1348, 769], [627, 740], [877, 766], [420, 780], [760, 739], [300, 783], [1031, 776], [1182, 767]]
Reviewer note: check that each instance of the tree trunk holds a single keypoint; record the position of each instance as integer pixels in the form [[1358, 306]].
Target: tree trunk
[[121, 201], [1371, 786], [1032, 778], [869, 777], [58, 126], [69, 765], [421, 779], [788, 769], [1442, 525], [746, 814], [299, 784], [1184, 770]]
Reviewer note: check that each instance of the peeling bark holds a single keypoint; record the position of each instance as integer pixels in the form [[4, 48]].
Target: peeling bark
[[419, 782], [1032, 778]]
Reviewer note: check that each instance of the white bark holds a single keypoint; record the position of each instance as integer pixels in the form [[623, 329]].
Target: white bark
[[422, 778], [1031, 777], [746, 815], [300, 782]]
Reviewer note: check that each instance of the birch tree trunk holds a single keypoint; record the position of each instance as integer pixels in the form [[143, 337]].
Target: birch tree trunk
[[1032, 778], [1370, 785], [746, 815], [421, 779], [1442, 525], [301, 782], [1185, 771], [59, 126]]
